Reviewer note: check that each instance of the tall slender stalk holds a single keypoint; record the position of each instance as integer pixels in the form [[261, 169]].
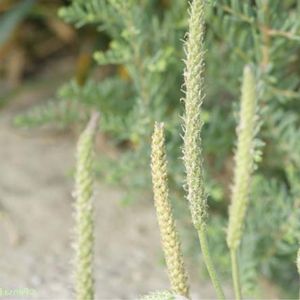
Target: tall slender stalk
[[244, 163], [235, 274], [84, 221], [298, 261], [196, 195], [209, 263], [169, 236], [298, 267]]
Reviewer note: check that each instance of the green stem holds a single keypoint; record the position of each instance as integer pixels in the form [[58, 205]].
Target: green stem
[[298, 267], [209, 263], [235, 274]]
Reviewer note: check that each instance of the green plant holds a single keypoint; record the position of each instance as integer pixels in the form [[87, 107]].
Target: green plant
[[244, 159], [247, 129], [143, 59], [192, 156], [170, 241]]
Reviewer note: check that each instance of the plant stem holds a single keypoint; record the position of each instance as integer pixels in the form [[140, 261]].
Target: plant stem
[[209, 263], [235, 274], [298, 267]]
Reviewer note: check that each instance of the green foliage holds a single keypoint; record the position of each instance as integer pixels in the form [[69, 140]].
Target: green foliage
[[144, 57], [115, 112], [61, 113], [272, 252]]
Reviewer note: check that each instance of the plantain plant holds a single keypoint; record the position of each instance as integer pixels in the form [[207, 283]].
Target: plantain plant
[[196, 189], [138, 50], [192, 156], [196, 195]]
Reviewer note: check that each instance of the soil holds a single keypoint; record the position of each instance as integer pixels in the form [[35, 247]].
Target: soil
[[36, 224]]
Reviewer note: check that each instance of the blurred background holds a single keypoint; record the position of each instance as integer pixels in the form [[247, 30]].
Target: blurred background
[[61, 59]]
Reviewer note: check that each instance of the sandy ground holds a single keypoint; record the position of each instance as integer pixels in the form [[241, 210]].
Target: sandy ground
[[35, 192]]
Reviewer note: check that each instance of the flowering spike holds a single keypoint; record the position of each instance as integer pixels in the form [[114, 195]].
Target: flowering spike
[[169, 236], [194, 48], [244, 160], [84, 223], [192, 156]]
